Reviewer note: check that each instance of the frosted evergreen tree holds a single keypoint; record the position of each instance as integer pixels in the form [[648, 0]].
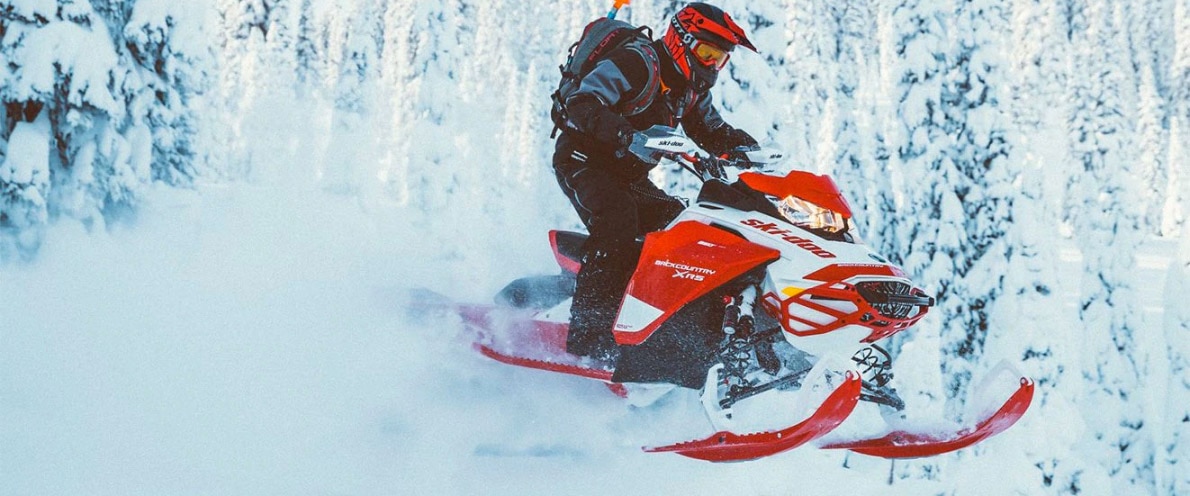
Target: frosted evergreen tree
[[857, 84], [401, 80], [110, 91], [357, 75], [60, 91], [922, 230], [439, 36], [306, 48], [806, 85], [360, 60], [1152, 147], [1150, 45], [1173, 478], [239, 25], [918, 139], [1032, 288], [1178, 203], [172, 60], [1175, 448], [1040, 106], [1106, 222], [978, 126]]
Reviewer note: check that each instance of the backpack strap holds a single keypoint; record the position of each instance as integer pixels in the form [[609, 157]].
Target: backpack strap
[[652, 83]]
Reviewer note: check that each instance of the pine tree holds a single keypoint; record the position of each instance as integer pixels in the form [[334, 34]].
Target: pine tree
[[171, 60], [50, 91], [917, 140], [976, 122], [806, 85], [1032, 285], [1174, 449], [924, 224], [859, 155], [306, 47], [1107, 234]]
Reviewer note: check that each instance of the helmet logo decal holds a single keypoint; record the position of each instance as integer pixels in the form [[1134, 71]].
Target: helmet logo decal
[[692, 21]]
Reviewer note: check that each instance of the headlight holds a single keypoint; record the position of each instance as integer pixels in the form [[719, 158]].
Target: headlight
[[805, 214]]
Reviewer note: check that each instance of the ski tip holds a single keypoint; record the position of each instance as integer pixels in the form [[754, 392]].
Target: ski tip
[[904, 444]]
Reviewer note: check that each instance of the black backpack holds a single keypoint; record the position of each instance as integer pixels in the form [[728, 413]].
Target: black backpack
[[600, 38]]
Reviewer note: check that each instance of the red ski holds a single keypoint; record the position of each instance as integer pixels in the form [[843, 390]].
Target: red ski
[[902, 444], [726, 446], [515, 339]]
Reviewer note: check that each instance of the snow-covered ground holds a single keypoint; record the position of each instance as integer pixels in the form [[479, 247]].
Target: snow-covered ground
[[254, 340]]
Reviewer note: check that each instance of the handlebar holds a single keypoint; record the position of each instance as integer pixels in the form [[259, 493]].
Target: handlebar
[[664, 143]]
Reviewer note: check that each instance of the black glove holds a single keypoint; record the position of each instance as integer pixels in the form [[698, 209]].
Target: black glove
[[591, 117]]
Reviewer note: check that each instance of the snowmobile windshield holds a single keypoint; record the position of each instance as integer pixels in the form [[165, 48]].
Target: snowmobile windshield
[[810, 216]]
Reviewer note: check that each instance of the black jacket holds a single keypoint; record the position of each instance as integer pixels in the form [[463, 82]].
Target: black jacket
[[599, 131]]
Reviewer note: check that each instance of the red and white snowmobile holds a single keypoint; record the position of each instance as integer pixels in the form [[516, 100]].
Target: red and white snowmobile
[[760, 289]]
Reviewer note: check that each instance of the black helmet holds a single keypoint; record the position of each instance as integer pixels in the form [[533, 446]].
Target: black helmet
[[700, 39]]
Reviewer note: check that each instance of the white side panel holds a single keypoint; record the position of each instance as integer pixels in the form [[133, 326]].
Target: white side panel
[[635, 315]]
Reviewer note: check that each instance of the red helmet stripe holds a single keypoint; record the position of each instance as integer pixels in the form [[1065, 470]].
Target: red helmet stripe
[[677, 51], [694, 22], [741, 38]]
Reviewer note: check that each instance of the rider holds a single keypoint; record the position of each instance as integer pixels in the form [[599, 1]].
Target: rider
[[608, 185]]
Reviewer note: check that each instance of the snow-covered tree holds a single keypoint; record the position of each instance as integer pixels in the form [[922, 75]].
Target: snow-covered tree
[[307, 51], [439, 39], [108, 91], [58, 91], [920, 216], [978, 125], [173, 61], [1106, 221], [917, 139], [1174, 450], [806, 83], [852, 23]]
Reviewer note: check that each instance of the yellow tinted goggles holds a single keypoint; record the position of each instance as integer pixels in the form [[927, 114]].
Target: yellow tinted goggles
[[710, 54]]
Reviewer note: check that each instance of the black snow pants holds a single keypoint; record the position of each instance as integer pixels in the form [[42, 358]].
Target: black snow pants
[[616, 212]]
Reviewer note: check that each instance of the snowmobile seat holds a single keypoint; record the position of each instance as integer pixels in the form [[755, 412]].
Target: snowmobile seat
[[568, 245], [569, 249]]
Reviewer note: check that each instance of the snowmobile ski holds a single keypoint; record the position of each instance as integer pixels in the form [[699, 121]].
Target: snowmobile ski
[[524, 342], [725, 446], [903, 444]]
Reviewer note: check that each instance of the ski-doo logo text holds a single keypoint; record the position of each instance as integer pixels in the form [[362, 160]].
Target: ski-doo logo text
[[682, 271], [787, 235]]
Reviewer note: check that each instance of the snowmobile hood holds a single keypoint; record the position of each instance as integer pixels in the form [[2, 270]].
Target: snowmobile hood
[[816, 189]]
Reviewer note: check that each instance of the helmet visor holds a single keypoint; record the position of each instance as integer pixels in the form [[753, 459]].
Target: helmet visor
[[709, 54]]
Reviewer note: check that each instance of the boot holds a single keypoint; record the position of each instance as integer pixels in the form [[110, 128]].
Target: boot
[[599, 288]]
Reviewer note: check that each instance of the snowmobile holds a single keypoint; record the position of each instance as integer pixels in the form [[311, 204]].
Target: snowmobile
[[761, 287]]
